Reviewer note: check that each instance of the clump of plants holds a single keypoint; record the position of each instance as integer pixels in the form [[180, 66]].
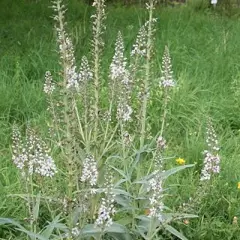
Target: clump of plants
[[105, 175]]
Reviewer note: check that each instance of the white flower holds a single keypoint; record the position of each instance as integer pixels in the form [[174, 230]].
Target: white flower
[[89, 171], [48, 85], [161, 143], [75, 231], [121, 81], [140, 46], [155, 196], [85, 73], [20, 160], [166, 79], [118, 65], [213, 1], [66, 50], [106, 210], [211, 158], [124, 112], [46, 166], [32, 156]]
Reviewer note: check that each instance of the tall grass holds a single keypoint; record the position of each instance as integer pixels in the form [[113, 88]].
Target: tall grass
[[203, 50]]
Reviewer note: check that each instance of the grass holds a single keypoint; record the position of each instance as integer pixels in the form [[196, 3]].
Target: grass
[[205, 59]]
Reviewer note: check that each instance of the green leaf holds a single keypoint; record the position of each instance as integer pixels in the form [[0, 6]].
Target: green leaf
[[121, 172], [125, 221], [165, 174], [20, 228], [141, 230], [175, 170], [55, 224], [143, 218], [33, 235], [144, 223], [123, 201], [137, 158], [91, 230], [118, 236], [4, 221], [119, 182], [36, 207], [118, 191], [116, 228], [175, 232], [118, 231], [176, 216]]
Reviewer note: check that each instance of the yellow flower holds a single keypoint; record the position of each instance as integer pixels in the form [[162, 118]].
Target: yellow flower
[[238, 185], [180, 161]]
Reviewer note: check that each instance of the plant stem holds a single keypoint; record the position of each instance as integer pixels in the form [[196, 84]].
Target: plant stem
[[147, 76], [164, 116], [97, 41], [66, 110]]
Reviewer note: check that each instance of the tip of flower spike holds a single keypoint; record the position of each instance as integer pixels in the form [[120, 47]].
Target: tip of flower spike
[[238, 185], [180, 161], [235, 220]]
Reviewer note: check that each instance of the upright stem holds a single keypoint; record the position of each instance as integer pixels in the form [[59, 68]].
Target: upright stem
[[67, 106], [56, 124], [111, 103], [96, 89], [147, 76], [28, 185], [164, 113], [97, 42]]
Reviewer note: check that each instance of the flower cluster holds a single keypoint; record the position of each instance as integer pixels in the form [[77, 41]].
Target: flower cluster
[[161, 143], [121, 81], [211, 165], [98, 26], [106, 210], [71, 74], [119, 62], [140, 46], [19, 152], [32, 155], [85, 73], [118, 65], [65, 48], [124, 112], [156, 196], [211, 138], [166, 79], [49, 86], [211, 157], [75, 231], [89, 171], [151, 4]]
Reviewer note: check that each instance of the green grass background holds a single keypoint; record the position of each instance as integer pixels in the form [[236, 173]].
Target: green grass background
[[205, 50]]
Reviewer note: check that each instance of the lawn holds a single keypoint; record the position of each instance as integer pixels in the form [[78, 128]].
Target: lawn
[[126, 149]]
